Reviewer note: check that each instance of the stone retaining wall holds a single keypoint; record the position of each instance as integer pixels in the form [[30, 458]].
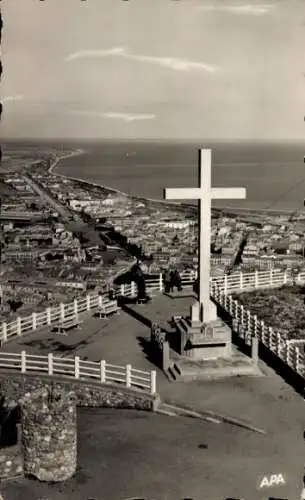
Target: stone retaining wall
[[11, 462], [87, 394], [17, 389], [48, 429]]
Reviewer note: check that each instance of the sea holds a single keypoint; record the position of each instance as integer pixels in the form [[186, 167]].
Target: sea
[[272, 173]]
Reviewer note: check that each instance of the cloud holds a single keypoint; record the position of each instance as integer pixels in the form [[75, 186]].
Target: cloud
[[174, 63], [127, 117], [169, 62], [12, 98], [251, 9], [116, 51]]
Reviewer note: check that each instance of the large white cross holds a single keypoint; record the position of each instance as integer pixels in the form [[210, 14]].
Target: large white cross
[[204, 193]]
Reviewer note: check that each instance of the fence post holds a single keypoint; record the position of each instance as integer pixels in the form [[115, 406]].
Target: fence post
[[75, 304], [236, 309], [222, 298], [271, 277], [255, 325], [76, 367], [278, 344], [263, 327], [18, 324], [241, 281], [226, 299], [226, 284], [254, 349], [242, 311], [34, 321], [23, 361], [48, 313], [231, 306], [50, 363], [100, 300], [103, 371], [288, 353], [133, 288], [62, 311], [297, 359], [153, 382], [128, 375], [248, 322], [160, 282], [229, 300], [88, 302], [122, 290], [270, 332], [4, 332], [256, 283]]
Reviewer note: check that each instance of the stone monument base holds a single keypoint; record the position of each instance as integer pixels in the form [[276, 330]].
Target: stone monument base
[[206, 341], [238, 364]]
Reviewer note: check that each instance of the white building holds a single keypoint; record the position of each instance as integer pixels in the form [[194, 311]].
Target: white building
[[107, 202], [224, 230], [177, 224], [77, 204]]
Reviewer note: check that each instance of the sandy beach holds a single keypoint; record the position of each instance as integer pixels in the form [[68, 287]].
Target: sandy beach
[[56, 164]]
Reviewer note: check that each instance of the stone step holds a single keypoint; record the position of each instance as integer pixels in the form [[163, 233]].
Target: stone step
[[171, 374]]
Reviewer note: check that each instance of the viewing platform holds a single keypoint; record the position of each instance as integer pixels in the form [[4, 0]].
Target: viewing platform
[[266, 403], [124, 339]]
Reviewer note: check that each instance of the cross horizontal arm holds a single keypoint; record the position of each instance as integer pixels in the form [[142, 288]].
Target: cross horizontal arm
[[182, 193], [228, 193], [199, 193]]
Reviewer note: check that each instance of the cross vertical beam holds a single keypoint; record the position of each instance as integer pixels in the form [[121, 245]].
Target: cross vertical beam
[[204, 231], [204, 194]]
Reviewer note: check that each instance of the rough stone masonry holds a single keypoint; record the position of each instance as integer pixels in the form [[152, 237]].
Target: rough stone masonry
[[49, 434]]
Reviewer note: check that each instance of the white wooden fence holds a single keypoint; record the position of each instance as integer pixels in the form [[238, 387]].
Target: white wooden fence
[[221, 287], [228, 283], [80, 369], [247, 324]]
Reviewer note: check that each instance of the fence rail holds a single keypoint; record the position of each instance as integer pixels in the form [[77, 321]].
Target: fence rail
[[245, 323], [228, 283], [79, 369]]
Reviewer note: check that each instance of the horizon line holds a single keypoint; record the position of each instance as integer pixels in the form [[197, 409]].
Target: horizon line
[[160, 140]]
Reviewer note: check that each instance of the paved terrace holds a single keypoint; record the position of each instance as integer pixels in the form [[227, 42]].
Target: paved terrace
[[267, 403], [122, 339]]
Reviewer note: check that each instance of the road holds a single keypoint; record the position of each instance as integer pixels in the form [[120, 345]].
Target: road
[[67, 215], [95, 237], [58, 207], [73, 221]]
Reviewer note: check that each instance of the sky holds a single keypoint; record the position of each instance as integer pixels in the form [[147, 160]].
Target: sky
[[153, 69]]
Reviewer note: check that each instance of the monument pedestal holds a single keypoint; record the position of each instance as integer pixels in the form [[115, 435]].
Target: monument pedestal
[[206, 351], [207, 341], [204, 340]]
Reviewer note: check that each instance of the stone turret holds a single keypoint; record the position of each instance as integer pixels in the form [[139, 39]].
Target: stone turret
[[49, 434]]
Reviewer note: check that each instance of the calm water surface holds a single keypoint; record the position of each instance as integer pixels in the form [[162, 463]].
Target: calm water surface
[[274, 174]]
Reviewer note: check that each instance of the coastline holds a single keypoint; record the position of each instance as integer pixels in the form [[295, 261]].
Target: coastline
[[77, 152], [230, 209], [103, 186]]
